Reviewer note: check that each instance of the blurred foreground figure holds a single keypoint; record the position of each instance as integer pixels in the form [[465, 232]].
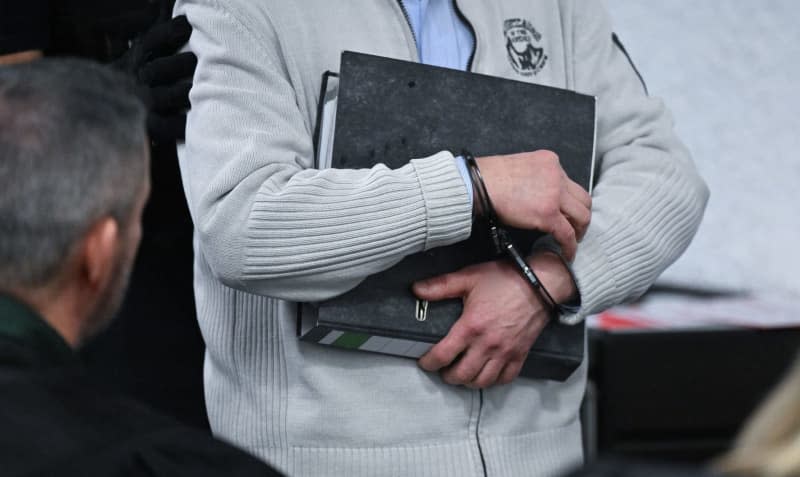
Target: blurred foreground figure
[[769, 445], [153, 350], [74, 175]]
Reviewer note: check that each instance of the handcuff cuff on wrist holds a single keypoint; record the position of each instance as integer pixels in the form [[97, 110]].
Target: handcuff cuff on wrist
[[501, 239]]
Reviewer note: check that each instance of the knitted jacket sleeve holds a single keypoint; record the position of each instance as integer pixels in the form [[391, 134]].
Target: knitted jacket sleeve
[[649, 199], [265, 222]]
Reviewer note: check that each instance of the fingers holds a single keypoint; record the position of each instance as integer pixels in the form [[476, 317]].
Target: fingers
[[169, 69], [165, 38], [477, 368], [510, 372], [466, 368], [577, 213], [566, 236], [532, 191], [488, 376], [498, 325], [579, 193], [446, 351], [443, 287], [576, 209], [473, 359], [170, 98]]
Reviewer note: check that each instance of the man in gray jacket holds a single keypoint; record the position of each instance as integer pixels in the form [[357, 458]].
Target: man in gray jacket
[[271, 231]]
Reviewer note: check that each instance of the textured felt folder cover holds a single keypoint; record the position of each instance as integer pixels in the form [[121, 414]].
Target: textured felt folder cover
[[389, 111]]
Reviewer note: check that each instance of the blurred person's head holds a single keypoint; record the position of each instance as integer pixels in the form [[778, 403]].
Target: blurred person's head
[[769, 445], [74, 177]]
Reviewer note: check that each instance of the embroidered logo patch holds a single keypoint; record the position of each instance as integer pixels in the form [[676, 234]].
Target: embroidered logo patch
[[523, 46]]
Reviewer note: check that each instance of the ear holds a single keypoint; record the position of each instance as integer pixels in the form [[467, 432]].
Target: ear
[[99, 253]]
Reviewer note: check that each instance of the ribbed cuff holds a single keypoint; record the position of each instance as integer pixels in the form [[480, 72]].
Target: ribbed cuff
[[447, 205], [570, 313], [620, 260], [595, 279]]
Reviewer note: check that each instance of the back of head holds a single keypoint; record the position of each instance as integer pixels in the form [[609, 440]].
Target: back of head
[[72, 150]]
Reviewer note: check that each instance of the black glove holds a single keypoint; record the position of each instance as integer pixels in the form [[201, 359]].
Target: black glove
[[164, 76]]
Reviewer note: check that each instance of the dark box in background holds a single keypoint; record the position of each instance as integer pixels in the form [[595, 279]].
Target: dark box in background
[[680, 395]]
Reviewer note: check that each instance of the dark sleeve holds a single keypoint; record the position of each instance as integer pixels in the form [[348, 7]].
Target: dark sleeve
[[24, 25], [171, 452], [202, 457], [193, 453]]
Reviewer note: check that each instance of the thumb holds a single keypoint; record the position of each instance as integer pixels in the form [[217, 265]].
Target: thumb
[[442, 287]]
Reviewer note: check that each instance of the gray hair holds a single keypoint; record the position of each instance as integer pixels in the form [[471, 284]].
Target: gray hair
[[72, 150]]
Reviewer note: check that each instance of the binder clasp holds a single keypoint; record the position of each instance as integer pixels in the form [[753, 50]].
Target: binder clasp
[[422, 310]]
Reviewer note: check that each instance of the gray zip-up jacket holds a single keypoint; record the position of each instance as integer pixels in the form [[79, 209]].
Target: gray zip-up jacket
[[270, 231]]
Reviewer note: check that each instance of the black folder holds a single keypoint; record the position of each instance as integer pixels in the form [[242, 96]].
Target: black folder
[[382, 110]]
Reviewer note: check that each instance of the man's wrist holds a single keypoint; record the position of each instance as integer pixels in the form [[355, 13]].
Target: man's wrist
[[555, 276]]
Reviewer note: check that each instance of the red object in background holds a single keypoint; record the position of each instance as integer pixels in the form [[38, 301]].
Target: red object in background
[[609, 320]]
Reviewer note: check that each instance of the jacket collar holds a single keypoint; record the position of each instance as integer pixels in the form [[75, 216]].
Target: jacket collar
[[26, 338]]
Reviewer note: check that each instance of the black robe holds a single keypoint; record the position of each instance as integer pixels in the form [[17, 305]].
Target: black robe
[[54, 420]]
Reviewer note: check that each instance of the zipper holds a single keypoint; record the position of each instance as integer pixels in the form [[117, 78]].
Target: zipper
[[408, 22], [477, 429], [469, 68], [474, 36]]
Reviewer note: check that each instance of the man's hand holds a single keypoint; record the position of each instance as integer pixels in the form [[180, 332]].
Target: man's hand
[[502, 318], [531, 191], [164, 76]]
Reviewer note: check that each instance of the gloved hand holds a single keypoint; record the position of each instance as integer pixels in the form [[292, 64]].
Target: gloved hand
[[164, 76]]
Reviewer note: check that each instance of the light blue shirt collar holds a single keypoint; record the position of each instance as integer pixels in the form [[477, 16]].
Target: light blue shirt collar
[[443, 39]]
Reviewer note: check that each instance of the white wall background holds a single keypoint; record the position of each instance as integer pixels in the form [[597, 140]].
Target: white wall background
[[730, 72]]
